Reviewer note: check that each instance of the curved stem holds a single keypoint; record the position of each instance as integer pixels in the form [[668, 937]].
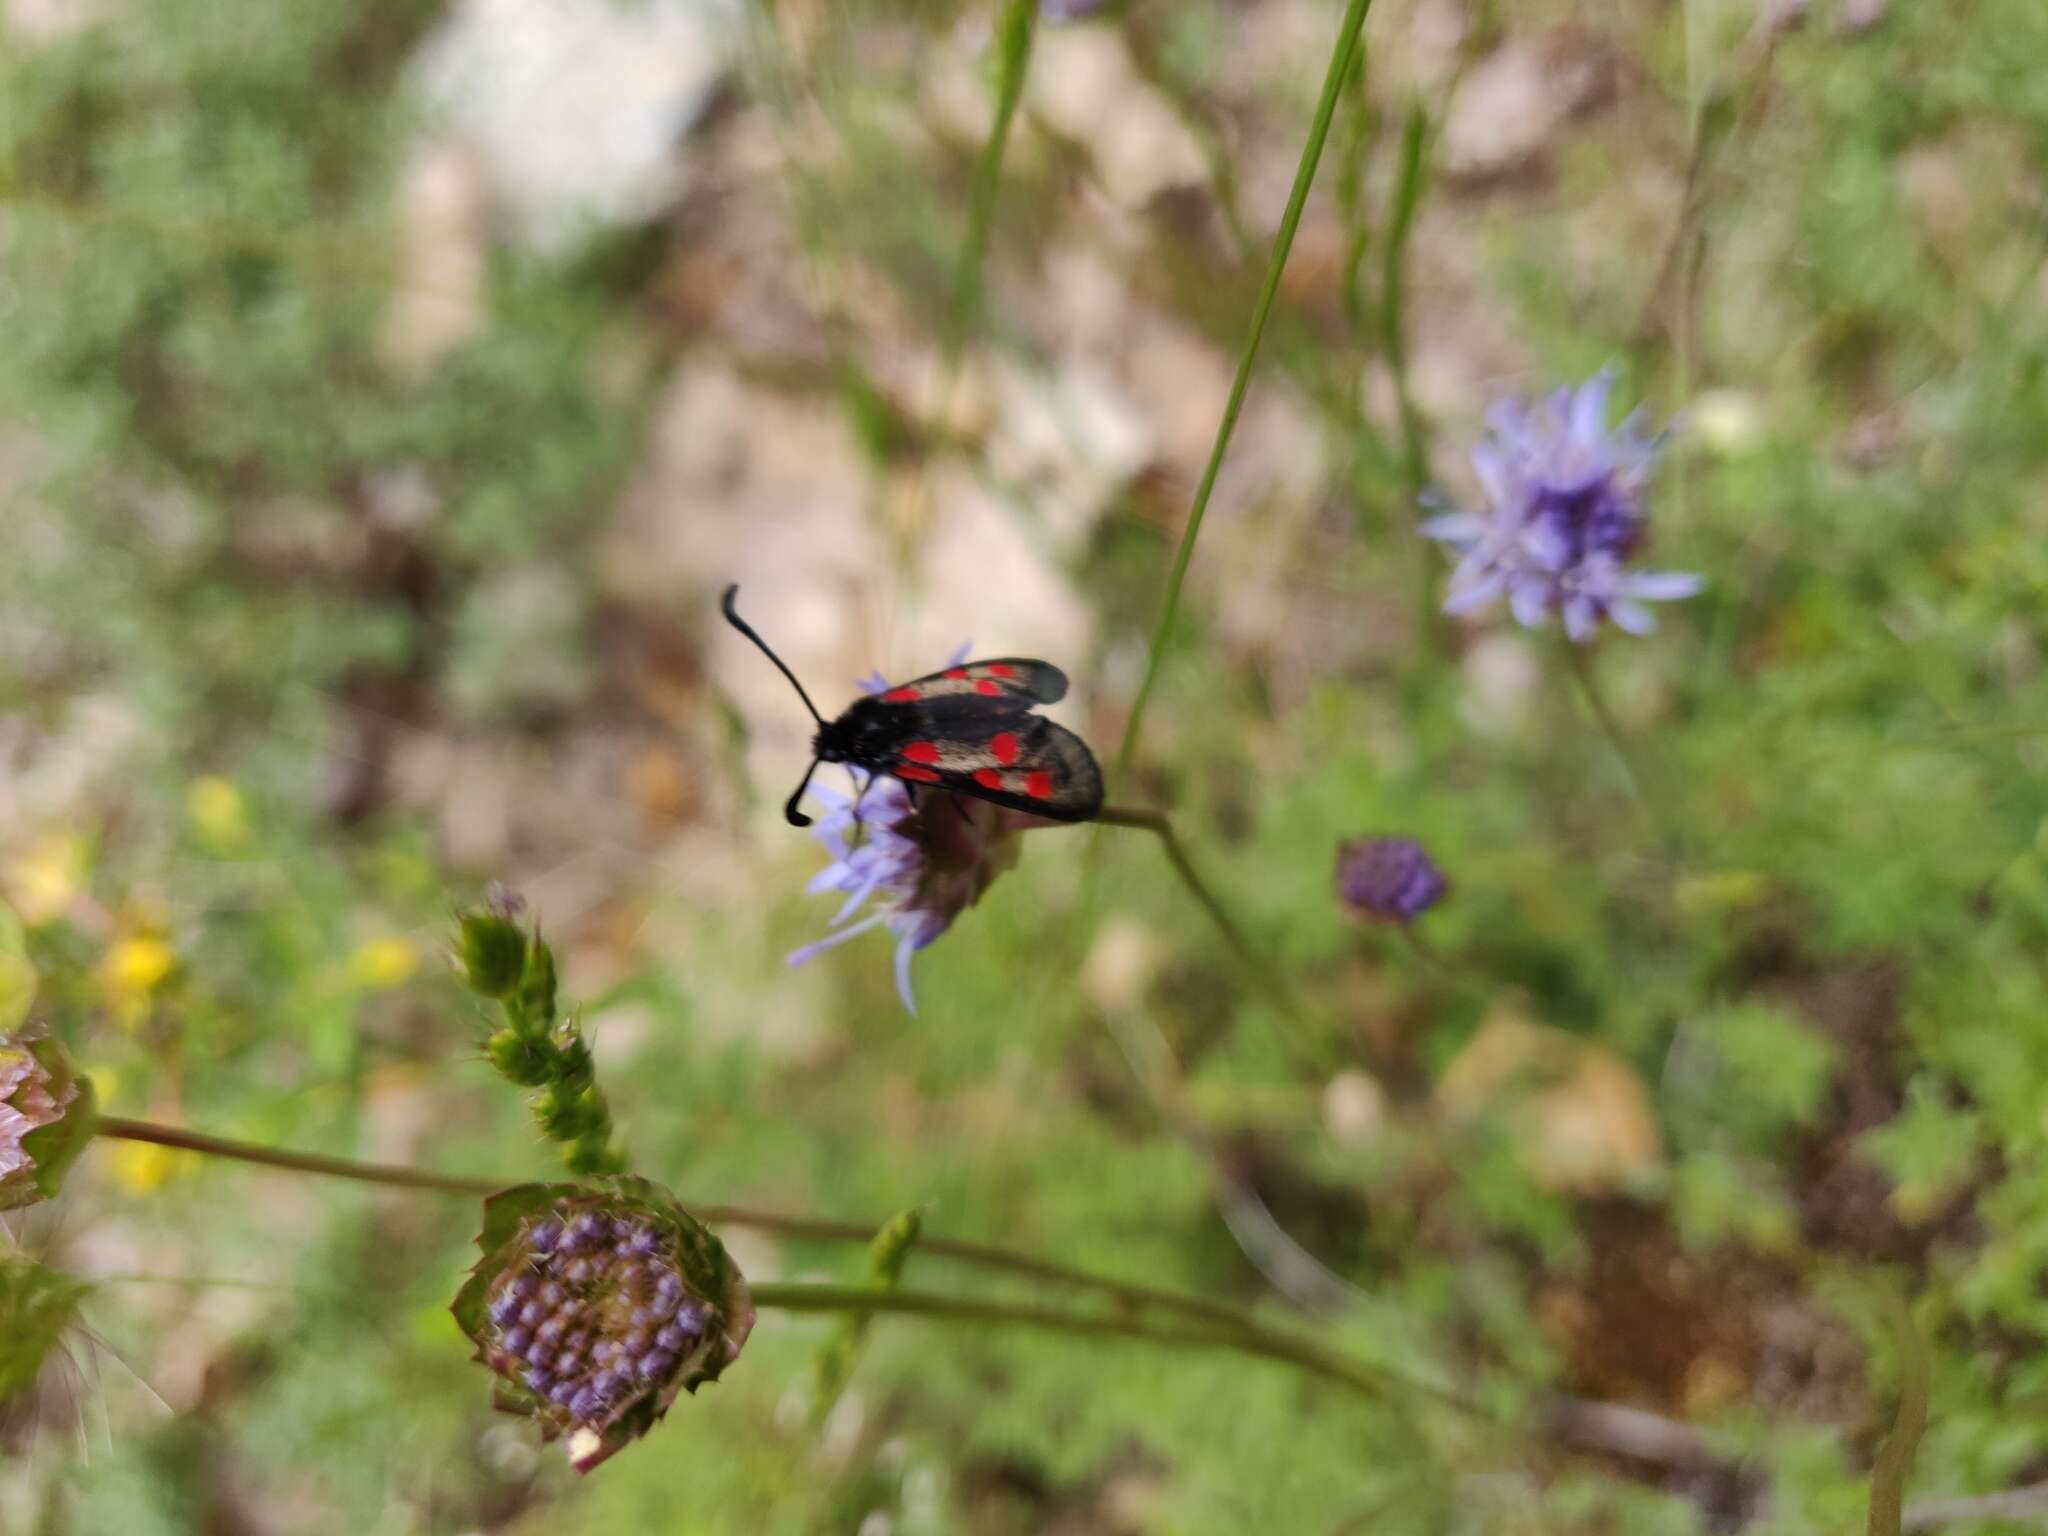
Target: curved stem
[[818, 1229], [1283, 242], [297, 1162], [1160, 826], [1581, 665], [1250, 1338]]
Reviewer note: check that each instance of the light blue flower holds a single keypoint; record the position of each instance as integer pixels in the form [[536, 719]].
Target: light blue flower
[[1565, 514]]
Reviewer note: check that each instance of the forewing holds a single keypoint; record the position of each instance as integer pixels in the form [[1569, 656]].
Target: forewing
[[1027, 764], [1004, 685]]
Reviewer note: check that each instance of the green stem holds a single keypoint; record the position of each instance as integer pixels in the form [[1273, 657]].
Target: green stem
[[1581, 664], [1013, 56], [297, 1162], [1283, 242], [1408, 187], [1250, 1339], [1161, 827], [818, 1229]]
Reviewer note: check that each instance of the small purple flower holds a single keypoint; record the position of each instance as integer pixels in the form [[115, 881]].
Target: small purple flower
[[1390, 878], [1566, 514]]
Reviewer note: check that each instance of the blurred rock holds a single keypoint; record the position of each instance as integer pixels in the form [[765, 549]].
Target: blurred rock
[[49, 21], [1513, 104], [443, 217], [1084, 87], [1354, 1108], [1121, 966], [575, 110], [1502, 678], [1070, 440], [1582, 1117]]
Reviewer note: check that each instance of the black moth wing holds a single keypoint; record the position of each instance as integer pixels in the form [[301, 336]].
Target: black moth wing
[[1025, 763], [998, 685]]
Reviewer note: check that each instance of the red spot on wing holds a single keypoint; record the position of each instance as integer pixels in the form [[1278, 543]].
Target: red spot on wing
[[1004, 745], [921, 752], [987, 687], [1000, 669], [954, 672], [988, 778], [916, 774], [900, 696], [1038, 785]]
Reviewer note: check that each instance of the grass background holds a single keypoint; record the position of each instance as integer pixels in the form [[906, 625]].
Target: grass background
[[302, 639]]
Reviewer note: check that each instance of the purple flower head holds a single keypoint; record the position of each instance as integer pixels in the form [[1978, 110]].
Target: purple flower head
[[923, 864], [1390, 878], [1565, 515]]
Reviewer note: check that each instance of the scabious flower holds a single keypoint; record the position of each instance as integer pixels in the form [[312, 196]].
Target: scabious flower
[[596, 1306], [1565, 515], [923, 865], [1389, 878], [926, 863], [46, 1117]]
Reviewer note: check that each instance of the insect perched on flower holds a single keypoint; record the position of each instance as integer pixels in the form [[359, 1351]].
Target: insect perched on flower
[[1566, 514], [967, 729]]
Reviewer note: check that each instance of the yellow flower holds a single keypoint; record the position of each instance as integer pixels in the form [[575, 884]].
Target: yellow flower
[[383, 963], [141, 1166], [132, 970], [45, 879], [216, 809]]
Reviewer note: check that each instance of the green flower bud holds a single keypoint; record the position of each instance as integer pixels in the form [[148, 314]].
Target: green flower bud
[[47, 1115], [566, 1115], [536, 999], [594, 1154], [521, 1058], [493, 953], [597, 1307], [574, 1070]]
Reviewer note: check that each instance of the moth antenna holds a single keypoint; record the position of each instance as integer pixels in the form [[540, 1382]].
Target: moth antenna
[[740, 624], [796, 817]]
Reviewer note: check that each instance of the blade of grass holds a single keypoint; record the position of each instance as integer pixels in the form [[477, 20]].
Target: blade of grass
[[1895, 1456], [1014, 32], [1283, 242]]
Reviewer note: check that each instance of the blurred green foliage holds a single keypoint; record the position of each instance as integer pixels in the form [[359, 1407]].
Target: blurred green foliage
[[1830, 993]]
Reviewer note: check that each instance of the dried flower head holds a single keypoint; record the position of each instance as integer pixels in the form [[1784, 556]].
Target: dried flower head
[[596, 1305], [1565, 515], [46, 1116], [1389, 878]]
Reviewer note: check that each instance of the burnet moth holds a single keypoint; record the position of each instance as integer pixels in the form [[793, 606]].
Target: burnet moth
[[968, 729]]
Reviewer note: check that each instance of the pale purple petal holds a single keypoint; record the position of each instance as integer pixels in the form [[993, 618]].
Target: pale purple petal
[[1581, 618], [1529, 598], [1455, 527], [1660, 586], [810, 952], [905, 948], [1633, 617]]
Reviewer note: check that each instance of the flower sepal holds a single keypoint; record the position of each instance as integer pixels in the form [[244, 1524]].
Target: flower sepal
[[48, 1112], [596, 1305]]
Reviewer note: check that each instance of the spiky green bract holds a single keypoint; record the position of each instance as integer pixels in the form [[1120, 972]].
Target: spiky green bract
[[47, 1115], [533, 1048], [888, 1252], [37, 1306], [596, 1306], [493, 953]]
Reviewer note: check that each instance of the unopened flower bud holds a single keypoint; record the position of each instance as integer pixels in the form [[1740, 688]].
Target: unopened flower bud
[[493, 953], [521, 1058], [1389, 878]]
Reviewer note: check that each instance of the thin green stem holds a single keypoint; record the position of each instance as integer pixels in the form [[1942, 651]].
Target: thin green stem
[[296, 1162], [1283, 242], [1013, 57], [1262, 970], [1393, 326], [1369, 1381], [1587, 684], [817, 1229]]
